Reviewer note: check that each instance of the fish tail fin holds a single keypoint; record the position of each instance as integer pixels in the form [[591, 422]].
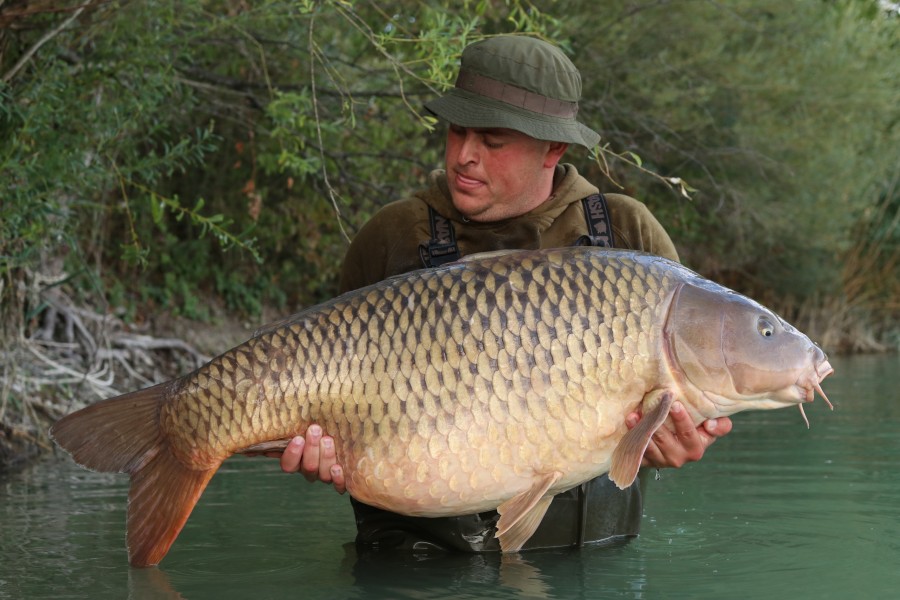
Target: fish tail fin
[[162, 495], [123, 435], [118, 435]]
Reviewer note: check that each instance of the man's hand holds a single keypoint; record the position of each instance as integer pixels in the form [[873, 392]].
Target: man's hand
[[686, 444], [314, 458]]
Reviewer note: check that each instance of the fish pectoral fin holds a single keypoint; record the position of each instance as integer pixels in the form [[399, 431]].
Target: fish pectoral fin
[[521, 514], [626, 458]]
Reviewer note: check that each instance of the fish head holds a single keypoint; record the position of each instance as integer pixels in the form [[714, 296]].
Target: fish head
[[738, 354]]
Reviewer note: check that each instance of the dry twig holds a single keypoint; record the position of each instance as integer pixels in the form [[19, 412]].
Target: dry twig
[[73, 357]]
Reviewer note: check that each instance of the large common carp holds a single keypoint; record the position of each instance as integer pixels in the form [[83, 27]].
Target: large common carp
[[494, 382]]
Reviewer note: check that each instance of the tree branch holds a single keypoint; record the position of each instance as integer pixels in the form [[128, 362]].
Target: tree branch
[[46, 38]]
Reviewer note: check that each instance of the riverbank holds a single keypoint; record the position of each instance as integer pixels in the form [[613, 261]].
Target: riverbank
[[70, 356]]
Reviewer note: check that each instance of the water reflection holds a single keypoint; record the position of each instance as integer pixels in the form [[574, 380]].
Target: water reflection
[[151, 584], [775, 510], [538, 575]]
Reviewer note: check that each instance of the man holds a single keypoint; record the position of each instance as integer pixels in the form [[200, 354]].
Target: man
[[510, 118]]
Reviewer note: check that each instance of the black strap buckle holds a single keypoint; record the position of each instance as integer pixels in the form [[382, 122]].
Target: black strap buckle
[[442, 247]]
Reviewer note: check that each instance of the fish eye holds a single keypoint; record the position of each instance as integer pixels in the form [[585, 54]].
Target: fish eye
[[765, 327]]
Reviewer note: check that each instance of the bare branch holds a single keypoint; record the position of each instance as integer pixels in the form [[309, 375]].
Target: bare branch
[[46, 38], [332, 194]]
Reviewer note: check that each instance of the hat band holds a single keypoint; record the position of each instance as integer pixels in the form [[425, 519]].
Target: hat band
[[510, 94]]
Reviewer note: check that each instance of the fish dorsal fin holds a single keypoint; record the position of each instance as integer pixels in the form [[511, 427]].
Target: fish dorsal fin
[[626, 458], [521, 514]]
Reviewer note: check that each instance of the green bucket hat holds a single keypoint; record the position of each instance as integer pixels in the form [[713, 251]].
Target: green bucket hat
[[519, 83]]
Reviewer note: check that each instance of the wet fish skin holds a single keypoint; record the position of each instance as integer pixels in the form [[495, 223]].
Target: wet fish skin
[[495, 382], [443, 390]]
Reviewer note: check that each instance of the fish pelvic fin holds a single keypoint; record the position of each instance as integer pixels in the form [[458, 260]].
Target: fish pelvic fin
[[521, 514], [123, 435], [626, 458]]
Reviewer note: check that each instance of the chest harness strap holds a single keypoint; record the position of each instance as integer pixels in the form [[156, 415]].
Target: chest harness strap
[[442, 248], [596, 215]]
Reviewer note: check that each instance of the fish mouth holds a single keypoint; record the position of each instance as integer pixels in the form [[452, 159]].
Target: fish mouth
[[807, 386]]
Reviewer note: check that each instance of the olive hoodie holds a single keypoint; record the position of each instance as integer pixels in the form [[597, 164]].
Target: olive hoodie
[[388, 244]]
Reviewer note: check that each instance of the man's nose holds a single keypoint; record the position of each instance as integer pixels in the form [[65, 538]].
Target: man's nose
[[468, 149]]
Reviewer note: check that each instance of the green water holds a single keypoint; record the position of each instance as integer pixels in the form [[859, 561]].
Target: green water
[[774, 511]]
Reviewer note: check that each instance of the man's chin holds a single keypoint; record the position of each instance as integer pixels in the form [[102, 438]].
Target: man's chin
[[469, 206]]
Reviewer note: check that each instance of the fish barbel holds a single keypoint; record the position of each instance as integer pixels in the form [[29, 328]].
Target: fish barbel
[[494, 382]]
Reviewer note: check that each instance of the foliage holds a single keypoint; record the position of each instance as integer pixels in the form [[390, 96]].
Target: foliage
[[90, 137], [216, 155], [871, 286], [218, 118], [782, 116], [229, 150]]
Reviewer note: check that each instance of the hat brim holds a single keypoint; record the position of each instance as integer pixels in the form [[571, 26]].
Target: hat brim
[[469, 110]]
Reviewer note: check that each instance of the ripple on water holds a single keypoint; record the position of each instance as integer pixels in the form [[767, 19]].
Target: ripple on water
[[773, 511]]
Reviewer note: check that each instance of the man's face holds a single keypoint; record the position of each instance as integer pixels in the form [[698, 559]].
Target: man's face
[[496, 173]]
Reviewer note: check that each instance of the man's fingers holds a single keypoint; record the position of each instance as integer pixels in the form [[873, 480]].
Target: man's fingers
[[290, 457], [326, 459], [684, 442], [718, 427], [309, 465], [684, 426], [653, 457], [337, 478], [687, 443], [314, 457]]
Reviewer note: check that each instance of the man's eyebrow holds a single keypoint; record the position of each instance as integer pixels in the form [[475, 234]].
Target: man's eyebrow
[[492, 131]]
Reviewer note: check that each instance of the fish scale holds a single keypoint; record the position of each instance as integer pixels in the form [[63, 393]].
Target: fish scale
[[550, 321], [494, 382]]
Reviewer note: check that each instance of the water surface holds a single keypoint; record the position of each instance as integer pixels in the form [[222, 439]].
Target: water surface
[[774, 511]]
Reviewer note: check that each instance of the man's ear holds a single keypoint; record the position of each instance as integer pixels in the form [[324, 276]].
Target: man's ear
[[555, 152]]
